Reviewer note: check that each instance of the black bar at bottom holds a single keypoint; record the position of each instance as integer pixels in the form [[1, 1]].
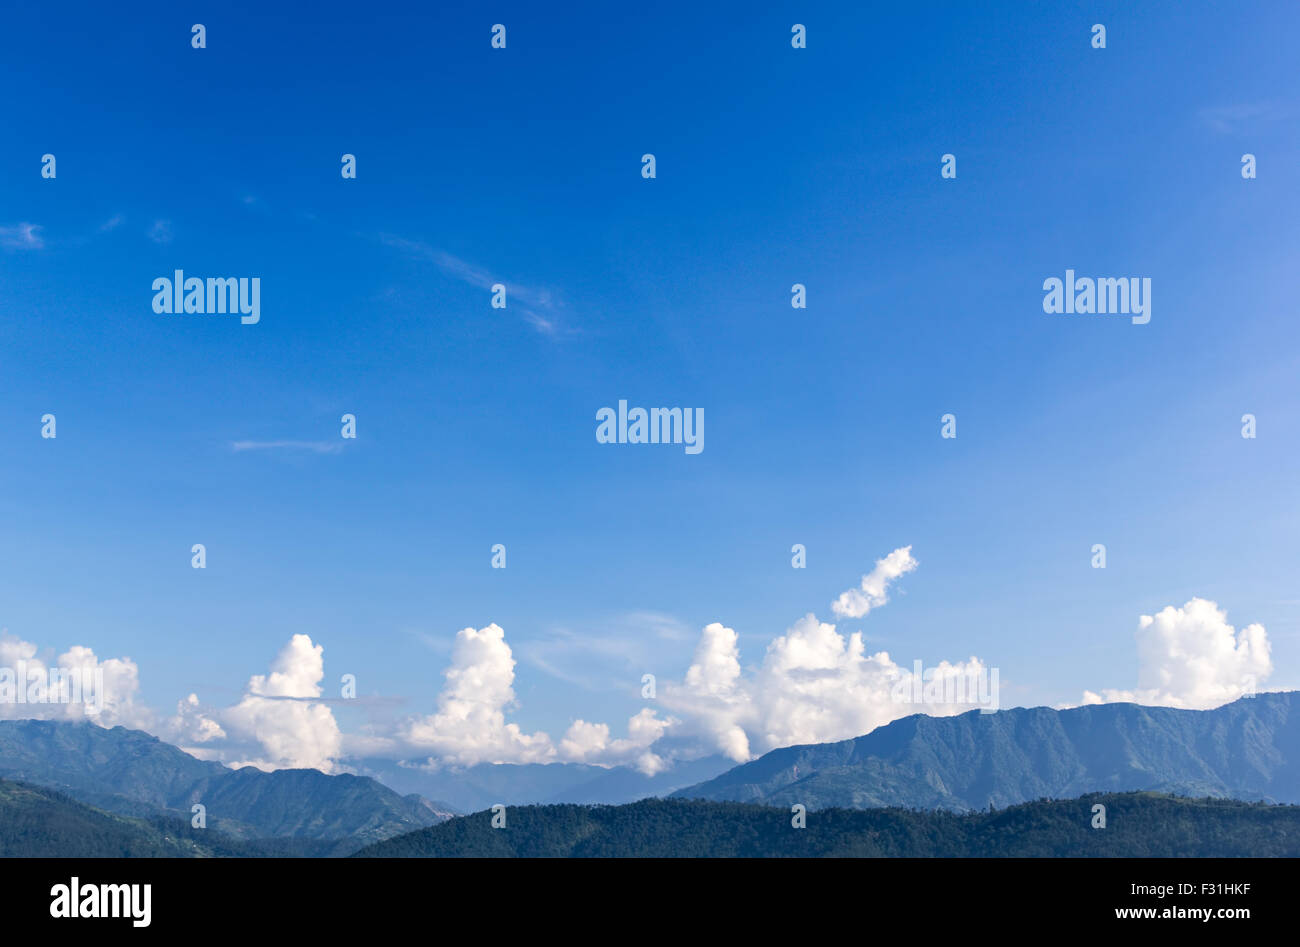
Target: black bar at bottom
[[329, 897]]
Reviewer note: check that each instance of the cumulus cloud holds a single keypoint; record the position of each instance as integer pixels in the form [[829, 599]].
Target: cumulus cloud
[[855, 603], [192, 725], [815, 685], [282, 720], [296, 671], [277, 724], [74, 686], [469, 726], [1191, 657], [590, 743], [713, 697]]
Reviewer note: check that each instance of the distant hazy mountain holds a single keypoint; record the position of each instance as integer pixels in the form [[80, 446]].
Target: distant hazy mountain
[[1249, 749], [132, 773], [475, 788], [1138, 825], [622, 784]]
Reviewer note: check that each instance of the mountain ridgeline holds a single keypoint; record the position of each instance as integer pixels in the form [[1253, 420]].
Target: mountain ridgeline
[[1138, 825], [40, 823], [918, 786], [1246, 750], [473, 788], [131, 773]]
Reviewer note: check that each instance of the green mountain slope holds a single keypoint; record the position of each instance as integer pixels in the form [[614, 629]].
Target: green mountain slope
[[1249, 749], [132, 773], [1138, 825], [37, 822]]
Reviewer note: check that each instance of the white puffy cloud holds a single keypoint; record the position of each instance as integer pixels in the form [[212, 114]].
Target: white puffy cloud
[[855, 603], [590, 743], [817, 686], [584, 739], [470, 724], [1190, 657], [276, 724], [296, 671], [192, 725], [714, 698], [814, 686], [74, 686], [292, 731]]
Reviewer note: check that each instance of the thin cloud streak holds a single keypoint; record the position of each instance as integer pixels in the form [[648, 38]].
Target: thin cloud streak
[[528, 298], [319, 447], [22, 236]]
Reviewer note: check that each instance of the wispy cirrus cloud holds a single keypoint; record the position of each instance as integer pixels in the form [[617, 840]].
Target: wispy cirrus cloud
[[22, 236], [610, 657], [1228, 119], [539, 306], [316, 447], [161, 232]]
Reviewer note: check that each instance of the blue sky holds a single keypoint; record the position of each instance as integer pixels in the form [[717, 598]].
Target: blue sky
[[476, 425]]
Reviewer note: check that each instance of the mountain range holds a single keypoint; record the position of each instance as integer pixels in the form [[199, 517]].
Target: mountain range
[[1139, 825], [473, 788], [1249, 749], [131, 773], [40, 823]]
